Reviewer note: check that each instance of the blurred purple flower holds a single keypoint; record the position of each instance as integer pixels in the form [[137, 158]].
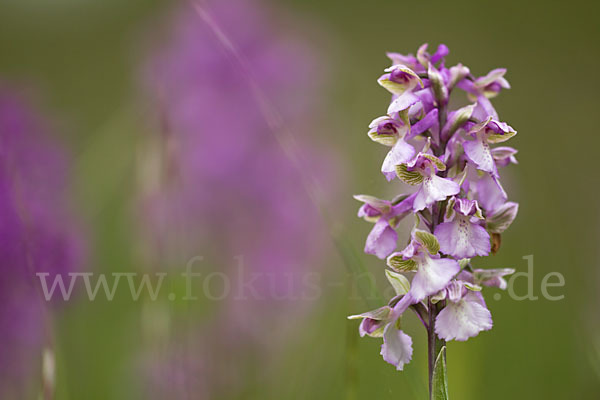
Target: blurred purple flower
[[227, 175], [36, 235], [228, 186]]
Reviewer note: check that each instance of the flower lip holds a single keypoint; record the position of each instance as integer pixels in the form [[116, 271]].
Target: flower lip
[[397, 347], [460, 235], [464, 318]]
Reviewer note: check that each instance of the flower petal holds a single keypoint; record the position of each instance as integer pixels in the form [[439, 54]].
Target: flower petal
[[400, 153], [409, 60], [371, 327], [399, 79], [491, 77], [379, 314], [434, 188], [398, 281], [504, 156], [441, 52], [404, 206], [397, 346], [402, 102], [428, 121], [484, 108], [457, 119], [463, 319], [457, 74], [397, 262], [382, 239], [490, 193], [425, 101], [433, 275], [467, 207], [492, 277], [383, 206], [373, 321], [387, 130], [463, 239], [502, 217], [428, 241], [440, 90], [478, 151]]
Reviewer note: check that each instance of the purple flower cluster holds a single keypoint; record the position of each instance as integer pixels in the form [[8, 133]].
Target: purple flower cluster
[[36, 235], [225, 188], [223, 180], [444, 152]]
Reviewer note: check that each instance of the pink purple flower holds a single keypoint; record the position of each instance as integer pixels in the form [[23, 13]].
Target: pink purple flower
[[462, 236], [422, 171], [383, 237], [384, 322], [432, 273], [391, 131], [450, 159], [485, 133], [465, 314]]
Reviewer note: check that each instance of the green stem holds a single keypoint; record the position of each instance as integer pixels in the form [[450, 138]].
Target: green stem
[[434, 344]]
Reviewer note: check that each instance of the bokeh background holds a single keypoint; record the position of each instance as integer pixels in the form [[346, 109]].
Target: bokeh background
[[83, 64]]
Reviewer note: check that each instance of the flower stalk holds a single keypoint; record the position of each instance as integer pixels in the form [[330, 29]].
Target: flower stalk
[[434, 345], [446, 156]]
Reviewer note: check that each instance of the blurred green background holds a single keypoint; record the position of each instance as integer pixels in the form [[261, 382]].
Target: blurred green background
[[80, 58]]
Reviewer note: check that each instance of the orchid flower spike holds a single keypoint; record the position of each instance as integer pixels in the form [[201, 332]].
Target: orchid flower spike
[[448, 164]]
